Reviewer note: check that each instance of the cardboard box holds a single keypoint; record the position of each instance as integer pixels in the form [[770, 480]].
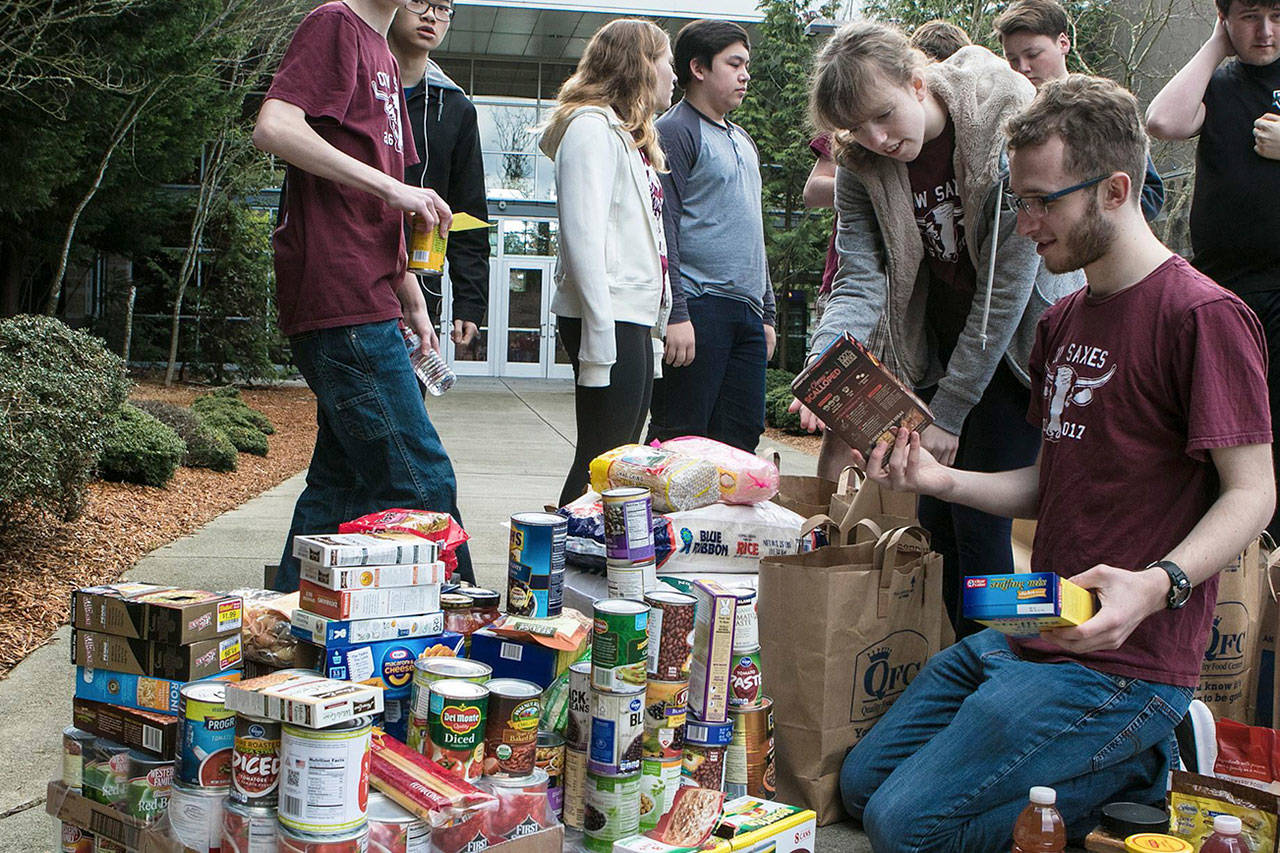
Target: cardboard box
[[365, 549], [524, 659], [367, 577], [369, 603], [330, 633], [145, 730], [713, 627], [747, 824], [135, 691], [149, 612], [304, 699], [102, 820], [1022, 605], [158, 660], [388, 664]]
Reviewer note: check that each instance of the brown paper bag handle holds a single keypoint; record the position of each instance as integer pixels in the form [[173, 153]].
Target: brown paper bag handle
[[851, 474], [866, 524], [1273, 560], [835, 535], [888, 544]]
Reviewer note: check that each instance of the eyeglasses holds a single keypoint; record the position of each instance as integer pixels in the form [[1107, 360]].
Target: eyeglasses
[[1038, 205], [443, 11]]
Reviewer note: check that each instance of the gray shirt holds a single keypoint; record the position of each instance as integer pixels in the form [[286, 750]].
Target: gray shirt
[[712, 212]]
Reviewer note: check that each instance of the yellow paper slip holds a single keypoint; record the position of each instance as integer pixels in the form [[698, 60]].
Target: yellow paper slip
[[467, 222]]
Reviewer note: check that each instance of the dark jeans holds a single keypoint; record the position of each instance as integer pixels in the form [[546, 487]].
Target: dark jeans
[[995, 437], [610, 416], [1266, 304], [375, 446], [721, 394]]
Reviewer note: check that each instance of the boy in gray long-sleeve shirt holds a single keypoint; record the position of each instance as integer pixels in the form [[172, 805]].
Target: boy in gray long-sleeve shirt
[[721, 334]]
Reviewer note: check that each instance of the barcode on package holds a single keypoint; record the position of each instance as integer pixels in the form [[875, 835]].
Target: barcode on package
[[510, 651], [152, 738], [292, 805]]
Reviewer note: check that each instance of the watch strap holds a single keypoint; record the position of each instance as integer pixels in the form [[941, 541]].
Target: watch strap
[[1179, 583]]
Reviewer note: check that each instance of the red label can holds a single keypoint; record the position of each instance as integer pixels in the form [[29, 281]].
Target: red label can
[[746, 685], [255, 762]]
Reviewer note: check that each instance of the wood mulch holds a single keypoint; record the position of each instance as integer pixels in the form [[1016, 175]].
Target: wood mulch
[[805, 443], [42, 562]]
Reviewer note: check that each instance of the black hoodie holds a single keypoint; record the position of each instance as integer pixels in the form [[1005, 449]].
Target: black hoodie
[[443, 120]]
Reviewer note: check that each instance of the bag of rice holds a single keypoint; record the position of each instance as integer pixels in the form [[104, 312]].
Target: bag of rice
[[676, 481]]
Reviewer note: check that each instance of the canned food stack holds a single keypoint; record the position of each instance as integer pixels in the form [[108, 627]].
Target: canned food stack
[[669, 657], [628, 541], [749, 768]]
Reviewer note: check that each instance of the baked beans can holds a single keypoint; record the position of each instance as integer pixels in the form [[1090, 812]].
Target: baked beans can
[[195, 816], [75, 743], [659, 779], [620, 643], [665, 743], [535, 567], [746, 684], [550, 760], [355, 841], [456, 725], [670, 632], [746, 627], [749, 763], [628, 525], [630, 580], [207, 733], [427, 671], [394, 830], [577, 728], [75, 839], [575, 787], [705, 749], [665, 703], [426, 247], [255, 761], [106, 772], [150, 784], [324, 778], [611, 810], [248, 829], [617, 729], [511, 727]]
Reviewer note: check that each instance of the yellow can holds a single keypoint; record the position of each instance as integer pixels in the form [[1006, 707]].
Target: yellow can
[[1154, 842], [426, 248]]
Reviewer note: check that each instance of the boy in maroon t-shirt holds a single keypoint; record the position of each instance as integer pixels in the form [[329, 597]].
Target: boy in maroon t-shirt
[[1154, 472], [335, 113]]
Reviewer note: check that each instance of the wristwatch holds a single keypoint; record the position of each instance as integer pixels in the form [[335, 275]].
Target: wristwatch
[[1179, 585]]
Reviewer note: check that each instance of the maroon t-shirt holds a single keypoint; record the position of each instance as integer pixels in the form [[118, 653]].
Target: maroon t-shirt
[[935, 195], [339, 251], [1135, 389], [821, 145]]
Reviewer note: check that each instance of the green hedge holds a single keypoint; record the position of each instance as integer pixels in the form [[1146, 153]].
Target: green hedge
[[245, 427], [206, 446], [777, 378], [140, 449], [775, 410], [59, 392]]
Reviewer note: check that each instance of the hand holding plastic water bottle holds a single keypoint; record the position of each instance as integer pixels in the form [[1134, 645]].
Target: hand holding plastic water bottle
[[429, 365]]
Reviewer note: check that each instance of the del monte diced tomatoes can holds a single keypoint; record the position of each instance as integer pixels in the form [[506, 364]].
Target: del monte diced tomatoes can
[[455, 726]]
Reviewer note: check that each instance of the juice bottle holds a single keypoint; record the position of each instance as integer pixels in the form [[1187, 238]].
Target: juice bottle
[[1226, 836], [1039, 829]]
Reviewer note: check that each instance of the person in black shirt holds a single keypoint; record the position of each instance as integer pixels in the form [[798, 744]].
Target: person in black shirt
[[1235, 209]]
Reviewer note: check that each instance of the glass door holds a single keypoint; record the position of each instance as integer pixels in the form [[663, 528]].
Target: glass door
[[526, 295]]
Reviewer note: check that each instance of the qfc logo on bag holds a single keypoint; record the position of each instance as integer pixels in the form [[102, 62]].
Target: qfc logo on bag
[[1225, 644], [883, 670]]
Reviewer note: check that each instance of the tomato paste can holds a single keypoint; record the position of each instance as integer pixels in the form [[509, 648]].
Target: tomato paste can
[[575, 787], [620, 643], [255, 761], [665, 703], [749, 763], [75, 839], [455, 726], [149, 786], [535, 567], [511, 727], [426, 247], [670, 631], [249, 829], [630, 580], [746, 627], [354, 841], [746, 685], [207, 733], [659, 780], [75, 744], [577, 728], [612, 809], [106, 772], [628, 525], [427, 671], [617, 729], [705, 748], [324, 777], [523, 807], [550, 760], [394, 830], [195, 816]]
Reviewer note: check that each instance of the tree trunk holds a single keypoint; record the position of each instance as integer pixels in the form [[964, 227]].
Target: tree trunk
[[128, 322]]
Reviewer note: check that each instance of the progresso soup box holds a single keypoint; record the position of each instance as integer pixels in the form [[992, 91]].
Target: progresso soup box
[[388, 664], [1024, 604]]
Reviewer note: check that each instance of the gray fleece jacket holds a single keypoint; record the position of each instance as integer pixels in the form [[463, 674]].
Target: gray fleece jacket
[[880, 291]]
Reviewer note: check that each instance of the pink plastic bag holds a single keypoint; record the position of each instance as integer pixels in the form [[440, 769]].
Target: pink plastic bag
[[744, 477]]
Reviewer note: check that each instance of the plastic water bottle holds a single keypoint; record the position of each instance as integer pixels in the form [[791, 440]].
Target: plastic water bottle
[[1040, 829], [428, 364], [1226, 836]]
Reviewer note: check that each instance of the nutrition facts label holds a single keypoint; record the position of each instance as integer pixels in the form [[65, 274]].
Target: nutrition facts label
[[320, 779]]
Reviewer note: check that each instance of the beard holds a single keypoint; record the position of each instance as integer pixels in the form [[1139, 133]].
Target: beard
[[1087, 241]]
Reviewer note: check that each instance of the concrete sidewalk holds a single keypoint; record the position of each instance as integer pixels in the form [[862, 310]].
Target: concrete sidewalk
[[511, 442]]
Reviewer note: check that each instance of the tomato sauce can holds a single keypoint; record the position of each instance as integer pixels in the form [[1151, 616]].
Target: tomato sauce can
[[324, 778], [511, 727], [628, 525], [249, 829], [195, 816], [456, 726], [617, 730], [207, 731], [550, 760], [255, 761], [620, 643], [394, 830], [535, 565], [354, 841]]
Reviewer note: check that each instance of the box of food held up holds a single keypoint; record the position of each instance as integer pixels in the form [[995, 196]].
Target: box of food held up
[[1023, 605]]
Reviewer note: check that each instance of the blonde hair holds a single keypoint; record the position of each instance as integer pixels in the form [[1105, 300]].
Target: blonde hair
[[616, 70], [853, 62]]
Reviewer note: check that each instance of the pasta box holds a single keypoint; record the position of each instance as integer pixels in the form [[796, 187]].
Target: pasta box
[[160, 660], [149, 612], [1024, 604], [388, 664]]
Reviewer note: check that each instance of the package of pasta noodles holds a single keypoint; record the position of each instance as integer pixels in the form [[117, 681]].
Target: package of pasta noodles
[[676, 481]]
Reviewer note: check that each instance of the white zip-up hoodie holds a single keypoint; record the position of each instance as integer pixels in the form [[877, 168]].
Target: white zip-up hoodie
[[608, 266]]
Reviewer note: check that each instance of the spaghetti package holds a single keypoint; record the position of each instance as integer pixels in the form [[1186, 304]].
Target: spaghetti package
[[676, 481], [744, 477], [439, 527]]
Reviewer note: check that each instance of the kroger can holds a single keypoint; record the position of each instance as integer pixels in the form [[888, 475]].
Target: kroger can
[[195, 816], [106, 772], [670, 633], [620, 644], [75, 839], [207, 732], [749, 763], [511, 727], [705, 749], [427, 671], [535, 568], [612, 809], [255, 761], [628, 525], [551, 761], [661, 742], [394, 830], [455, 726], [575, 787], [659, 781], [577, 729], [324, 777], [355, 841], [149, 786], [248, 829], [617, 729], [630, 580], [75, 743], [746, 627], [746, 685]]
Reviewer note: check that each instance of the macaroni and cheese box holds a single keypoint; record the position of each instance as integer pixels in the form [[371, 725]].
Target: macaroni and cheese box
[[388, 664], [1023, 605]]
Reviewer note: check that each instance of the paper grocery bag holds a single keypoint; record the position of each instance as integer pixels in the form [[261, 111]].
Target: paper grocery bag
[[805, 496], [858, 497], [872, 614], [1229, 673]]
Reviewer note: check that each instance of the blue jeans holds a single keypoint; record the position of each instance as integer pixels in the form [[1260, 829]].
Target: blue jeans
[[375, 446], [949, 766]]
